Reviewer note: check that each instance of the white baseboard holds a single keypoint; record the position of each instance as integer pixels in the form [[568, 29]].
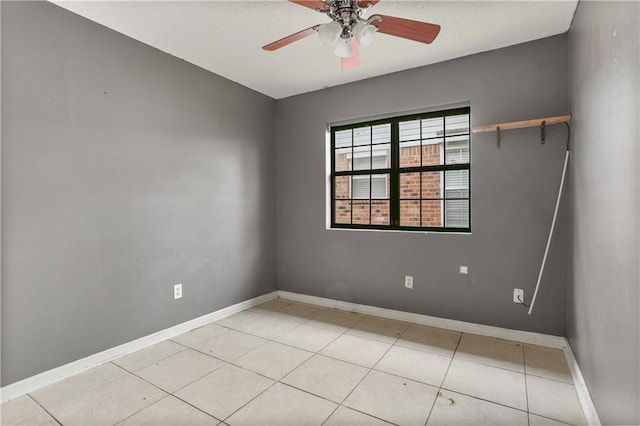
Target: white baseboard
[[547, 340], [46, 378], [588, 408]]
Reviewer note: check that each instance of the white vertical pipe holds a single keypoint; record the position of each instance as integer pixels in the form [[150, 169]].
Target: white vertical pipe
[[553, 224]]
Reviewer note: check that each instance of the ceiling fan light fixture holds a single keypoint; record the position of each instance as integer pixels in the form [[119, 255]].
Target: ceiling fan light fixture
[[365, 33], [344, 48], [330, 33]]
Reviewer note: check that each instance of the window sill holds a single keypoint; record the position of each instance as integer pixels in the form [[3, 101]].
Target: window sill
[[399, 231]]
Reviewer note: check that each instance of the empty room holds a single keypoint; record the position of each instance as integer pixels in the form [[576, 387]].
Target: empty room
[[320, 212]]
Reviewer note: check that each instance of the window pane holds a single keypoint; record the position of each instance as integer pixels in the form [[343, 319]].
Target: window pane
[[379, 186], [457, 213], [457, 124], [432, 184], [381, 156], [409, 213], [380, 212], [343, 159], [361, 212], [381, 133], [409, 154], [343, 211], [456, 179], [410, 130], [362, 157], [432, 128], [360, 187], [409, 185], [342, 187], [362, 136], [432, 154], [458, 150], [343, 138], [432, 213]]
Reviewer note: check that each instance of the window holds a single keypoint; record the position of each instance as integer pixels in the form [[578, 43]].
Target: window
[[403, 173]]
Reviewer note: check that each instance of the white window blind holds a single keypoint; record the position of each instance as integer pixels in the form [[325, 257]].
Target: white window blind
[[457, 185], [360, 186]]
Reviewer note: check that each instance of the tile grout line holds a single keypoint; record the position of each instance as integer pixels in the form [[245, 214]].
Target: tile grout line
[[159, 360], [127, 373], [275, 381], [344, 332], [371, 368], [234, 359], [274, 314], [341, 404], [475, 396], [142, 409], [439, 392], [45, 410], [280, 380], [489, 401], [332, 413], [338, 405], [167, 395], [516, 371], [237, 366], [79, 396], [526, 387]]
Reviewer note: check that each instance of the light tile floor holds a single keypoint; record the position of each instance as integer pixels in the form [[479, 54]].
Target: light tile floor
[[288, 363]]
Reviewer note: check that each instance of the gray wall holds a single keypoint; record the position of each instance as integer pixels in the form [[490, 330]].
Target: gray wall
[[603, 280], [124, 171], [514, 190]]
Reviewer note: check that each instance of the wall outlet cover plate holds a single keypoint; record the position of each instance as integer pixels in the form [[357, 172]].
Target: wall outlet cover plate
[[518, 293], [177, 291], [408, 281]]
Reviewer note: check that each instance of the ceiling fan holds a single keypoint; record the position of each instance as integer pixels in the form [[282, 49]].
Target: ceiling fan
[[349, 28]]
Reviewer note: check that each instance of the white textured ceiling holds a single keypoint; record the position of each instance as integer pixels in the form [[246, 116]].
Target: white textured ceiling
[[226, 37]]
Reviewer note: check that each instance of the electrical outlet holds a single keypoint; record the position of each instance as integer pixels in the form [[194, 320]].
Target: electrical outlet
[[518, 295], [177, 291], [408, 281], [464, 270]]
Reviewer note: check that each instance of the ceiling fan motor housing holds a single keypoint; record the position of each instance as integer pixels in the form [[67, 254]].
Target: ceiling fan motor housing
[[346, 12]]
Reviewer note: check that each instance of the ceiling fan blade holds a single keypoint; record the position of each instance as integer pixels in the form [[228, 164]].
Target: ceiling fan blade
[[366, 3], [354, 60], [290, 39], [407, 28], [311, 4]]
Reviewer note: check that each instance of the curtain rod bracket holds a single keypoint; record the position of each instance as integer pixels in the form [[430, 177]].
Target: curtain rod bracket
[[498, 136], [542, 126]]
